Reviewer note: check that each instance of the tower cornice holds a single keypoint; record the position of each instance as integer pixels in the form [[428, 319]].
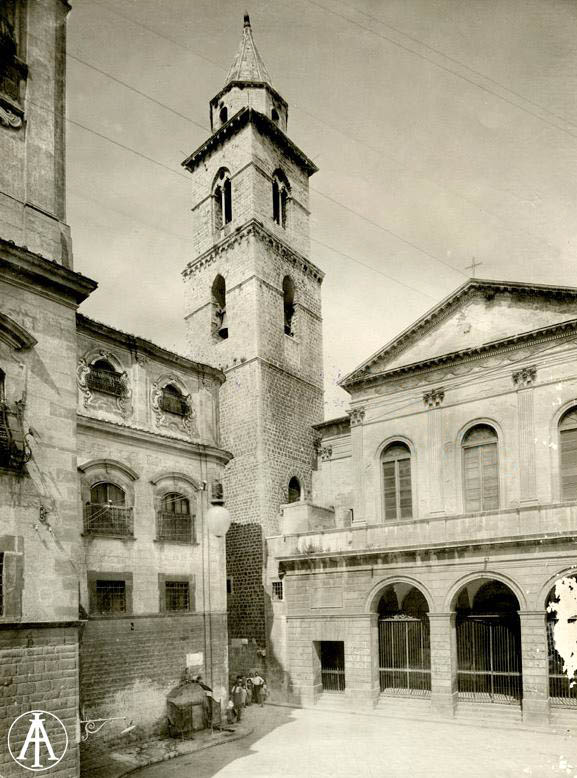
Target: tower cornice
[[255, 227], [265, 125]]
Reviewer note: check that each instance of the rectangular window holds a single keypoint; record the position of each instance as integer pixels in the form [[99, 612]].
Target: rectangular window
[[277, 590], [481, 476], [110, 597], [398, 489], [229, 586], [177, 595]]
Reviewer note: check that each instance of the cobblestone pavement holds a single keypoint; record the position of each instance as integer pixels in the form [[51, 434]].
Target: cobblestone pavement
[[287, 743]]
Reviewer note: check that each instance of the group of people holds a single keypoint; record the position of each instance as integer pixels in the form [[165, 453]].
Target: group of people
[[246, 691]]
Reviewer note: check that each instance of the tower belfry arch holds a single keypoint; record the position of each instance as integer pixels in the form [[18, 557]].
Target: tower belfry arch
[[274, 388]]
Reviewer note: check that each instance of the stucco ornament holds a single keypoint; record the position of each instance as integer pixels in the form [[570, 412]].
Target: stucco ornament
[[10, 119], [99, 401], [184, 424]]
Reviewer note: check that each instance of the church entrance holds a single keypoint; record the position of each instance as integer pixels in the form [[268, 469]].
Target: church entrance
[[332, 656], [488, 643], [404, 642]]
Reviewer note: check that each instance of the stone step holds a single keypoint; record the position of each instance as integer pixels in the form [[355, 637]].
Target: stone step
[[488, 712], [564, 718], [412, 707]]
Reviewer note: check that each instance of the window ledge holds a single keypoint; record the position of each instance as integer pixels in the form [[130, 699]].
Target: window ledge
[[176, 542], [92, 535]]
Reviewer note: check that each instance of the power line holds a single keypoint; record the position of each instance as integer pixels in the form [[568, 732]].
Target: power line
[[439, 66], [137, 91], [467, 67]]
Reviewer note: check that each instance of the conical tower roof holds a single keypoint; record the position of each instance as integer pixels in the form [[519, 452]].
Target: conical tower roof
[[248, 64]]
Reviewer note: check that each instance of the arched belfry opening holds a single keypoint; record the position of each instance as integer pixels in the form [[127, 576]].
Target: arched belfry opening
[[294, 490], [404, 641], [280, 197], [219, 322], [288, 293], [222, 199], [488, 643]]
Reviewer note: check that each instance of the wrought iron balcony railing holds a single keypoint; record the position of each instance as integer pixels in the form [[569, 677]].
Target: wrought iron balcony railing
[[14, 452], [108, 520], [106, 382], [171, 403], [174, 527]]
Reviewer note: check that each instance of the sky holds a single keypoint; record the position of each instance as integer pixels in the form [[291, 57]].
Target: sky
[[444, 130]]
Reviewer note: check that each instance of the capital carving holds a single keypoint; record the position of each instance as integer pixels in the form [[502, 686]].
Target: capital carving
[[434, 398], [326, 453], [525, 377], [356, 415]]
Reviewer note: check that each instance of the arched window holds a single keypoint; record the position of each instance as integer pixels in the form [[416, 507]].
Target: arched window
[[481, 469], [288, 292], [174, 519], [173, 401], [397, 486], [568, 454], [280, 195], [219, 321], [223, 115], [294, 490], [222, 199], [106, 513], [103, 377]]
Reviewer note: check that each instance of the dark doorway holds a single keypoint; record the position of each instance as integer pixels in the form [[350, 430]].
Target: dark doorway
[[404, 643], [489, 645], [332, 656]]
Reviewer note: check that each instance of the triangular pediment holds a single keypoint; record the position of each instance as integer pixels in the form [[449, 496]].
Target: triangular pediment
[[477, 314]]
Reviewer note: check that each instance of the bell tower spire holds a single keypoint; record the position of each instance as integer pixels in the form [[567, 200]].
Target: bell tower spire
[[248, 85]]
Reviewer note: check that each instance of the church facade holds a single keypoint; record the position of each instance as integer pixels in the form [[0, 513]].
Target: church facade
[[443, 514]]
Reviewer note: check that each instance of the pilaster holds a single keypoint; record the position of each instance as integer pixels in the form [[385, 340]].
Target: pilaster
[[443, 663], [357, 416], [524, 380], [535, 666], [433, 400]]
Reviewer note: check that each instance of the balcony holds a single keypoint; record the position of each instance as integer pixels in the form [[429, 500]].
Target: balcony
[[171, 403], [106, 382], [108, 520], [14, 452], [507, 526], [174, 528]]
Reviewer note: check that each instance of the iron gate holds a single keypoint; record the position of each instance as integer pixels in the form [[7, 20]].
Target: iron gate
[[560, 690], [405, 656], [332, 658], [489, 658]]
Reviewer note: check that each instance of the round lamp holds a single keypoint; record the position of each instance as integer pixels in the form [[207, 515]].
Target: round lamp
[[219, 520]]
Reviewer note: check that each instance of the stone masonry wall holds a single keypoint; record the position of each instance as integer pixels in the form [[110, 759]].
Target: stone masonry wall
[[39, 671]]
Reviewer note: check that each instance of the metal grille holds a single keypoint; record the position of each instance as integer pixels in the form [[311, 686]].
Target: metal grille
[[560, 690], [110, 597], [14, 452], [277, 590], [174, 403], [108, 520], [489, 658], [106, 382], [405, 657], [177, 595], [175, 527], [332, 658]]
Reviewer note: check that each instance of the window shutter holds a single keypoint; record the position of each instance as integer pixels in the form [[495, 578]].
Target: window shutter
[[568, 464], [390, 487], [490, 476], [472, 477], [405, 492]]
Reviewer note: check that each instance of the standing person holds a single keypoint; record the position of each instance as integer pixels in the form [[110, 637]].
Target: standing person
[[249, 690], [238, 695], [258, 684]]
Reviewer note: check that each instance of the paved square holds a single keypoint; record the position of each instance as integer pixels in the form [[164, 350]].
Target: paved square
[[287, 743]]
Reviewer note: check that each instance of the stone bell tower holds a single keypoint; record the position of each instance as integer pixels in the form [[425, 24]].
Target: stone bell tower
[[253, 307]]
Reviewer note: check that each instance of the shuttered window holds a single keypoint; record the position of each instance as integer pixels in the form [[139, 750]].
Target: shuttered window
[[481, 469], [568, 452], [397, 482]]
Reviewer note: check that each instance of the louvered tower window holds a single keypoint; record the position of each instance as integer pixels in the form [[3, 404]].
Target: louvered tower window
[[396, 461], [568, 454], [481, 469]]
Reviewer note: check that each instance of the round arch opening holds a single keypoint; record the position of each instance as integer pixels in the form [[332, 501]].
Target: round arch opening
[[488, 638], [404, 641]]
